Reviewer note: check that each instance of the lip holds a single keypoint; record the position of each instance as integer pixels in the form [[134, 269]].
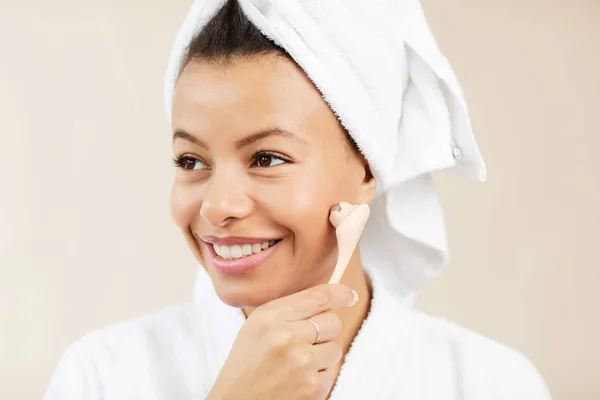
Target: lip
[[241, 265]]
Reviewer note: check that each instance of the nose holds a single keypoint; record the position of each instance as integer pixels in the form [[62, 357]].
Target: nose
[[226, 199]]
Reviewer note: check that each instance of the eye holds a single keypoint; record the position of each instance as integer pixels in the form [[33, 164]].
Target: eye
[[189, 163], [265, 159]]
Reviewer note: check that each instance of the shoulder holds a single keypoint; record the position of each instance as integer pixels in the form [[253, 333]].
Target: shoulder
[[130, 352], [482, 366]]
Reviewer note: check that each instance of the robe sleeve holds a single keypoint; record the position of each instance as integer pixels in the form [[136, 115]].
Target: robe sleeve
[[521, 380]]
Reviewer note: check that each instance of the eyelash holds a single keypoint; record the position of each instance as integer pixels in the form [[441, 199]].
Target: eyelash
[[179, 161]]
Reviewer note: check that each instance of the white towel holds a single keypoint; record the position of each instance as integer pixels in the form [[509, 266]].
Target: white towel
[[379, 68]]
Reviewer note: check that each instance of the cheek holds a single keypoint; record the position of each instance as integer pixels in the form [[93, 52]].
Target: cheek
[[302, 202], [301, 205], [184, 205], [307, 210]]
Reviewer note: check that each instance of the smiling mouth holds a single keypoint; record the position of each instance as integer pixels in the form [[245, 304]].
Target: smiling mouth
[[239, 251]]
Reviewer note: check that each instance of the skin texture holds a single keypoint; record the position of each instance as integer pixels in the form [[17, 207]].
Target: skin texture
[[224, 190]]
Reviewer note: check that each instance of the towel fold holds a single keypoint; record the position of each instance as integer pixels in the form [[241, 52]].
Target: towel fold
[[377, 65]]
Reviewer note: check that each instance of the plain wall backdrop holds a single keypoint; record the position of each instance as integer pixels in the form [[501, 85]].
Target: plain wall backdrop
[[86, 238]]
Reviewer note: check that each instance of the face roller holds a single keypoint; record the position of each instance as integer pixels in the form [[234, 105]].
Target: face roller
[[349, 221]]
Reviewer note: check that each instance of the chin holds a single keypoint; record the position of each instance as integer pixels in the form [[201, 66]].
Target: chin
[[240, 294], [240, 300]]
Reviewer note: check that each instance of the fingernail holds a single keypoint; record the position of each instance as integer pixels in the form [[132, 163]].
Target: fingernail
[[354, 296]]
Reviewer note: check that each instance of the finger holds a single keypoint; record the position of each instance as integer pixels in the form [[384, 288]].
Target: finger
[[313, 301], [317, 386], [326, 382], [329, 323], [326, 355]]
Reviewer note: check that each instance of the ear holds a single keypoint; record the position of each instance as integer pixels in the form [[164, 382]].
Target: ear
[[368, 186]]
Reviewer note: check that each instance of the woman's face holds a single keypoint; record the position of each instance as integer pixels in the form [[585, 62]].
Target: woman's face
[[261, 159]]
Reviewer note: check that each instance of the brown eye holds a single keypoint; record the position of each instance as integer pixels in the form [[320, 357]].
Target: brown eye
[[265, 160], [189, 163]]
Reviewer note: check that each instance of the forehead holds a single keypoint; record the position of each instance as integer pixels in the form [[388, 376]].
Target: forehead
[[260, 91]]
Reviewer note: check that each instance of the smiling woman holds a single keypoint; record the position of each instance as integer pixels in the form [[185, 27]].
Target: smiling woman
[[240, 178], [262, 156]]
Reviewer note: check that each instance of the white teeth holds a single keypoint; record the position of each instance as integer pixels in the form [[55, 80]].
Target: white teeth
[[239, 251], [225, 252], [246, 250], [236, 251]]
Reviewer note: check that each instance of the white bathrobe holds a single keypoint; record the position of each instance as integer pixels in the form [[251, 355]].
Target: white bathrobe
[[399, 353]]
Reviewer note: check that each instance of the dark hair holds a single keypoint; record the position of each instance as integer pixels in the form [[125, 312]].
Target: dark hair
[[230, 35]]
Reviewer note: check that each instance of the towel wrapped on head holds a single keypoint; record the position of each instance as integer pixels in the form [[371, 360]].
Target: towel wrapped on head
[[377, 65]]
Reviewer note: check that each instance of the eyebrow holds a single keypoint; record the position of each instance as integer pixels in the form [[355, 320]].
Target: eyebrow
[[246, 141]]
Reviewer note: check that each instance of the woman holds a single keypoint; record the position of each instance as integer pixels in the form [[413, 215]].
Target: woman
[[262, 157]]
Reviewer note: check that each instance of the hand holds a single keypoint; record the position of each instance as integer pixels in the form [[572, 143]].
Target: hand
[[274, 355]]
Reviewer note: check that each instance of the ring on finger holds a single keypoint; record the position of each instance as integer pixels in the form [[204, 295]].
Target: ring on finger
[[318, 330]]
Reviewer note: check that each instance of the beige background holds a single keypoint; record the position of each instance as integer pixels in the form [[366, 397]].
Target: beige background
[[85, 235]]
